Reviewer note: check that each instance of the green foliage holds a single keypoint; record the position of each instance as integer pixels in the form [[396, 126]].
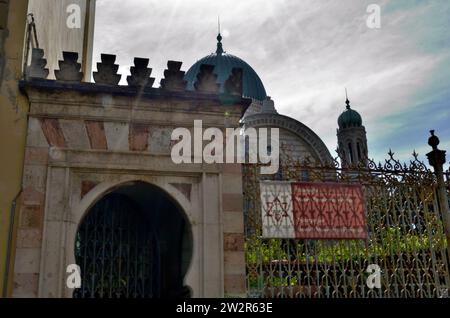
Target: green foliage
[[390, 242]]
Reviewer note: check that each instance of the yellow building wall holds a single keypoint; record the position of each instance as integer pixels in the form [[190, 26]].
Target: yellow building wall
[[54, 37], [13, 121]]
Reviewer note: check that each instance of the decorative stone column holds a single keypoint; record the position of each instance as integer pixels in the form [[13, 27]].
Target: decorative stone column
[[437, 159]]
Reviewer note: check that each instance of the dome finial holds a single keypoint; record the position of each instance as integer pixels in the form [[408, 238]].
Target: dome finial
[[219, 50], [346, 99]]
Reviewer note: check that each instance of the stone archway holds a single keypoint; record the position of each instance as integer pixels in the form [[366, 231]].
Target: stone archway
[[135, 241], [301, 131]]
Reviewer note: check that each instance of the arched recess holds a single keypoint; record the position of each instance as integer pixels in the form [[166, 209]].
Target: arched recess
[[160, 247], [294, 126]]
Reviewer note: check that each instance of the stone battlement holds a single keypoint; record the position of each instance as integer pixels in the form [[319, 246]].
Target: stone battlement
[[106, 79]]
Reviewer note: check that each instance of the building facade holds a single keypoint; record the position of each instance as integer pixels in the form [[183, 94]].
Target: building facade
[[91, 185], [88, 141]]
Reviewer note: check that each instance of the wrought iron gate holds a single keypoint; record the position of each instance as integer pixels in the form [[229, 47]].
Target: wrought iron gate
[[117, 252], [406, 237]]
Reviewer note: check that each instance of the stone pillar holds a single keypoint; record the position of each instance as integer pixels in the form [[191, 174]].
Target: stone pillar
[[233, 231], [31, 213], [437, 159]]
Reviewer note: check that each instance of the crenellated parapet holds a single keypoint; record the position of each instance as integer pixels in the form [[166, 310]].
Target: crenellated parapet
[[233, 85], [37, 67], [207, 80], [173, 77], [107, 71], [140, 74], [107, 80], [69, 68]]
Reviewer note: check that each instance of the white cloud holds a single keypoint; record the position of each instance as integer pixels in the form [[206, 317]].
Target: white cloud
[[305, 52]]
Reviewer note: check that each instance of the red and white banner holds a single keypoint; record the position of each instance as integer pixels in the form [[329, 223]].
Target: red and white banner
[[312, 210]]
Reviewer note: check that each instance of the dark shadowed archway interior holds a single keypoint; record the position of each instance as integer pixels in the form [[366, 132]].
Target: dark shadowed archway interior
[[135, 242]]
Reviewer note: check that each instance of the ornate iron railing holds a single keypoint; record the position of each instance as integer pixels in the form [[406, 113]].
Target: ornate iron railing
[[116, 252], [406, 236]]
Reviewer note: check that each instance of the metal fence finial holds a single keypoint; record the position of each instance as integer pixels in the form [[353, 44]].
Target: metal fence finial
[[436, 157]]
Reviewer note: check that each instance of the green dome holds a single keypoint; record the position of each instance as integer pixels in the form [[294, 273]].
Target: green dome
[[252, 86], [349, 118]]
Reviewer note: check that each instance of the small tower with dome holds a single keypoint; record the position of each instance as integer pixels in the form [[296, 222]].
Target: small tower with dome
[[352, 139]]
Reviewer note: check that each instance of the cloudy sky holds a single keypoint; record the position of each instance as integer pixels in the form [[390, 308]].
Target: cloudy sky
[[306, 52]]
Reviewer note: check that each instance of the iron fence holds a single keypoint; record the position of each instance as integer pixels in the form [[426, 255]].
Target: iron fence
[[405, 242]]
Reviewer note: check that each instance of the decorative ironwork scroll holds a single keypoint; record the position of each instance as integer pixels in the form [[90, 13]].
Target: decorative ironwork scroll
[[116, 252]]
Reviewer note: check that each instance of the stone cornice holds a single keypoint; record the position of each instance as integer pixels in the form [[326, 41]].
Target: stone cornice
[[38, 89], [141, 162]]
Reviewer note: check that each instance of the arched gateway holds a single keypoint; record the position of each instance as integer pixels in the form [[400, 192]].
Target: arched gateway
[[135, 242], [108, 198]]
